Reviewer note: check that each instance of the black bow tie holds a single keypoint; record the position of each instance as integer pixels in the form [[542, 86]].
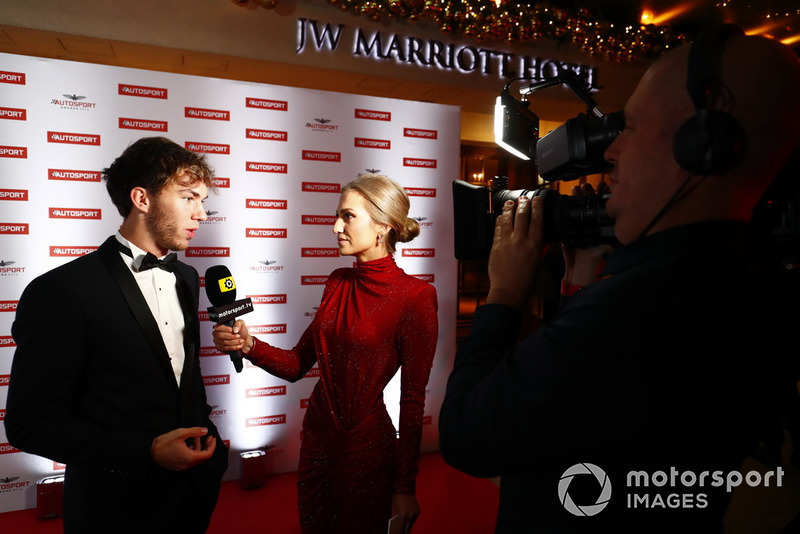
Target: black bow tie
[[150, 261]]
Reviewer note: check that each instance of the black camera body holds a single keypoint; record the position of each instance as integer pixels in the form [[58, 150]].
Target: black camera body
[[576, 148], [572, 150], [576, 220]]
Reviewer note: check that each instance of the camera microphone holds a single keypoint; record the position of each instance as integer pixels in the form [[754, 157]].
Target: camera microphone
[[221, 292]]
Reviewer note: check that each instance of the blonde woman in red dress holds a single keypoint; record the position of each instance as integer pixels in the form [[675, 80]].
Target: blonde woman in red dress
[[356, 471]]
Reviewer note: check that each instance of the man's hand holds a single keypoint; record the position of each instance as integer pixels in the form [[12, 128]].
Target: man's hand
[[516, 254], [183, 448]]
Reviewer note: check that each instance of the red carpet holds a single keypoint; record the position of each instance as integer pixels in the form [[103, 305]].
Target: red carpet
[[450, 500]]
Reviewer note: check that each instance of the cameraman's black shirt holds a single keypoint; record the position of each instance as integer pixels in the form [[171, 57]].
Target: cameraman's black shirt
[[650, 370]]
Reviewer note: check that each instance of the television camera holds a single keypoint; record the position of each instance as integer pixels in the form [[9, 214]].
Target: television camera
[[570, 151]]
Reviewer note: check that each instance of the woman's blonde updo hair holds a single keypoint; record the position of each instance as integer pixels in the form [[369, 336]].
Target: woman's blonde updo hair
[[387, 203]]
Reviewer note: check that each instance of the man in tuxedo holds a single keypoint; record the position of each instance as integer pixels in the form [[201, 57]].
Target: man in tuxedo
[[106, 376]]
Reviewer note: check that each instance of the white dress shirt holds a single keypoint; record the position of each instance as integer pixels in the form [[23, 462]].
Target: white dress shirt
[[159, 290]]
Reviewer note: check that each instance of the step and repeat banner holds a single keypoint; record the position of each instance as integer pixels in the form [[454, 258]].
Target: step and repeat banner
[[281, 156]]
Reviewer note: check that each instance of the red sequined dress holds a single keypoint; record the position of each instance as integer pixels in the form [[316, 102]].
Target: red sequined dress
[[372, 320]]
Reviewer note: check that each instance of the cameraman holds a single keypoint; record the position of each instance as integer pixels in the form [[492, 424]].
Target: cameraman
[[652, 366]]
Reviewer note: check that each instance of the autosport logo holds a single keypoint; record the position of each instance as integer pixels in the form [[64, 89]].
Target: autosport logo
[[73, 101], [76, 213], [280, 233], [12, 484], [419, 253], [73, 138], [208, 252], [145, 92], [127, 123], [208, 148], [420, 133], [12, 77], [266, 391], [602, 480], [308, 252], [419, 162], [211, 114], [268, 299], [217, 380], [262, 103], [319, 187], [267, 329], [374, 115], [421, 192], [14, 194], [268, 135], [17, 114], [313, 280], [267, 420], [320, 124], [319, 155], [73, 175], [8, 305], [21, 228], [224, 183], [213, 218], [362, 142], [13, 152], [264, 203], [263, 166], [267, 267], [325, 220]]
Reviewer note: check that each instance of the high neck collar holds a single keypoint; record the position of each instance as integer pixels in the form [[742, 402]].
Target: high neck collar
[[383, 265]]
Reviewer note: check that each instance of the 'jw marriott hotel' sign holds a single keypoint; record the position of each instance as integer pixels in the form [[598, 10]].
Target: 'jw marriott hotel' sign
[[312, 35]]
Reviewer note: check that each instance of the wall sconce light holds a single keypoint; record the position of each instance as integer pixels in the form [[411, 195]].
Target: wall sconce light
[[50, 497]]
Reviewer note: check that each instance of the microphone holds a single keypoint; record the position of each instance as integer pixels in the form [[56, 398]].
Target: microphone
[[221, 292]]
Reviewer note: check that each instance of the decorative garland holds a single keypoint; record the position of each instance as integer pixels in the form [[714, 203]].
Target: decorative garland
[[518, 22]]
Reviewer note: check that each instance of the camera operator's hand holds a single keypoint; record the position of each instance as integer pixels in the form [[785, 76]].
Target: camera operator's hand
[[581, 265], [516, 253]]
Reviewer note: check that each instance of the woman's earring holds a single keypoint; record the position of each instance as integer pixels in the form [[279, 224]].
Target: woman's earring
[[380, 239]]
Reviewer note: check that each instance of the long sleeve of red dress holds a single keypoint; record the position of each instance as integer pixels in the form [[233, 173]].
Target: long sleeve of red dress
[[373, 320]]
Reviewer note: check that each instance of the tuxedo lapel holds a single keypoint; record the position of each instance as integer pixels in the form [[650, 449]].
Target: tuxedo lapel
[[109, 253]]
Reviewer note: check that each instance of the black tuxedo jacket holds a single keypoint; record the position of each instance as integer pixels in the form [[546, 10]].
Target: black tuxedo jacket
[[91, 386]]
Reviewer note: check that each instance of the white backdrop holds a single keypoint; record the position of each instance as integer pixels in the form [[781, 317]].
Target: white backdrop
[[281, 155]]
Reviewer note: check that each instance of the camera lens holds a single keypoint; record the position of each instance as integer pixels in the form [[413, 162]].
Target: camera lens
[[581, 220]]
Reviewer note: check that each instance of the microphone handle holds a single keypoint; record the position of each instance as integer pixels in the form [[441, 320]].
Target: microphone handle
[[236, 355]]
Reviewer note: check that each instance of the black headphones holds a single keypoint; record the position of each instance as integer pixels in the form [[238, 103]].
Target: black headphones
[[712, 140]]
